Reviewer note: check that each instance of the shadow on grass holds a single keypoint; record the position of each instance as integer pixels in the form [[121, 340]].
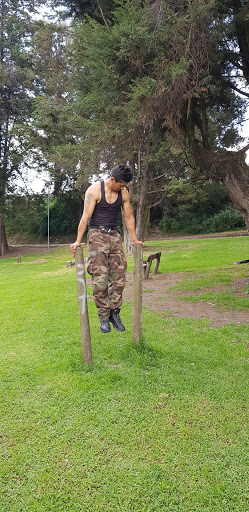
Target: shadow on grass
[[142, 355]]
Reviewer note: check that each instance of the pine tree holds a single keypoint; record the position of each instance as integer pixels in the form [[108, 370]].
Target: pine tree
[[15, 98], [52, 128], [163, 72]]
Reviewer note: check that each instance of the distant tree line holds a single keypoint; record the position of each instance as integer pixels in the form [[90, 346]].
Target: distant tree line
[[187, 208], [153, 82]]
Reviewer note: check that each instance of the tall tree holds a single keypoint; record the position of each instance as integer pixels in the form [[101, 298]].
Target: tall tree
[[131, 80], [15, 98], [229, 74], [165, 68], [52, 128]]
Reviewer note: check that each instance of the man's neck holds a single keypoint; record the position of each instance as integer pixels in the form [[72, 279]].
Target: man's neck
[[108, 183]]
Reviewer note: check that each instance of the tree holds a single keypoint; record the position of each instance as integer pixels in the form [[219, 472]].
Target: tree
[[229, 69], [159, 70], [117, 99], [52, 128], [15, 97]]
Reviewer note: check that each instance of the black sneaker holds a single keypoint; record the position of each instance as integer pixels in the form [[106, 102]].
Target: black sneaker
[[104, 326], [115, 320]]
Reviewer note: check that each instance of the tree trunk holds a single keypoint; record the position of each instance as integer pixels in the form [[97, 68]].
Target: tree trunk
[[238, 192], [127, 238], [141, 208], [232, 170], [3, 240], [146, 221]]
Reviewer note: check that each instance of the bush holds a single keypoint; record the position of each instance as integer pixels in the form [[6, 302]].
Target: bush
[[192, 223], [30, 215], [230, 218], [63, 215], [23, 214]]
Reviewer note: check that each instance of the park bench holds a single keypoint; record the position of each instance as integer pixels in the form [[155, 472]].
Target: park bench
[[147, 264]]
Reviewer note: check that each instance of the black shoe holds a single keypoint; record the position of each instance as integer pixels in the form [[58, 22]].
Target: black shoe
[[104, 326], [115, 320]]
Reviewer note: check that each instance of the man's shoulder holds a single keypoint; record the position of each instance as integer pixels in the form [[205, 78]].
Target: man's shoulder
[[125, 195], [94, 189]]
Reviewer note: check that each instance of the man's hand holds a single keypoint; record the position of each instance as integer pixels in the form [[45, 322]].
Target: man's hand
[[137, 242], [73, 247]]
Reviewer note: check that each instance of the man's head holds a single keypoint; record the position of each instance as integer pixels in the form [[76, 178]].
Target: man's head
[[122, 173]]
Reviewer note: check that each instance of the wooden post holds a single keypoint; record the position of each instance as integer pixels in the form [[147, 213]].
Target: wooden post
[[82, 302], [137, 292], [157, 263]]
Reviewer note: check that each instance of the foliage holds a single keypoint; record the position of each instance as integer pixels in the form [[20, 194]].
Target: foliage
[[203, 214], [230, 218], [151, 81], [16, 85], [194, 207], [24, 214], [99, 10], [52, 129], [133, 79], [30, 214], [160, 427], [64, 215], [194, 223]]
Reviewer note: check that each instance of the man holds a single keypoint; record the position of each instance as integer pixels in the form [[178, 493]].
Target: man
[[106, 260]]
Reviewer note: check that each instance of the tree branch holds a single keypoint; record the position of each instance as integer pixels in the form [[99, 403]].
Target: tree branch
[[102, 14], [243, 150], [158, 202], [246, 94], [158, 177], [156, 191]]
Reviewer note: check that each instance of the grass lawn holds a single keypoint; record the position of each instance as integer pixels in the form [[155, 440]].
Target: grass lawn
[[160, 427]]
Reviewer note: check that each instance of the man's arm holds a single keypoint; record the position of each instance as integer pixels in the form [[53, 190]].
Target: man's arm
[[89, 205], [129, 218]]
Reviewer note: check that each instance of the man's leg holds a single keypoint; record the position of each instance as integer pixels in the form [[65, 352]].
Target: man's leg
[[98, 263], [117, 268]]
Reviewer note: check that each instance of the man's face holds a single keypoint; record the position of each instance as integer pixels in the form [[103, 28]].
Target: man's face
[[120, 186]]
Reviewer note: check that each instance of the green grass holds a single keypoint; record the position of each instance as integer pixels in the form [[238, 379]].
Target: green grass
[[159, 427], [197, 280], [224, 300], [204, 254]]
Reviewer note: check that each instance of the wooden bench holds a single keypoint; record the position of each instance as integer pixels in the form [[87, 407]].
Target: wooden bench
[[147, 264]]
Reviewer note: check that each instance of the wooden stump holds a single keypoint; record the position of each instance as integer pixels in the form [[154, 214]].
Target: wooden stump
[[82, 303], [137, 293]]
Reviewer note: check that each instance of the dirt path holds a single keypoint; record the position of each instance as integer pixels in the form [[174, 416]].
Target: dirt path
[[158, 297]]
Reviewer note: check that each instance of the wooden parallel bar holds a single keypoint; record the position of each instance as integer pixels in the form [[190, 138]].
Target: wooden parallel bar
[[82, 304]]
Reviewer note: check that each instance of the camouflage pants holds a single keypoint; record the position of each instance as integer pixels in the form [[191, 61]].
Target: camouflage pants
[[107, 266]]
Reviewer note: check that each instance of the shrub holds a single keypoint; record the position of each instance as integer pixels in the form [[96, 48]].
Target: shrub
[[227, 219]]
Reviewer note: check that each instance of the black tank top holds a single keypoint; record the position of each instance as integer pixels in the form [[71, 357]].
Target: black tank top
[[106, 214]]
